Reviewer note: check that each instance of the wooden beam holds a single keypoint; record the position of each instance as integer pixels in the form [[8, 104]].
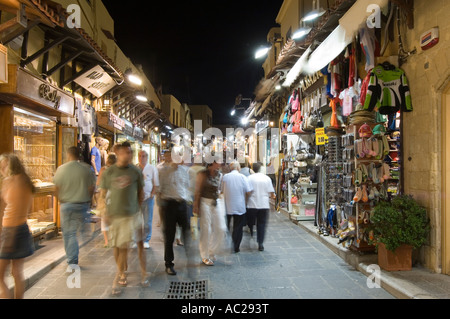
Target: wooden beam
[[64, 63], [45, 49], [13, 35]]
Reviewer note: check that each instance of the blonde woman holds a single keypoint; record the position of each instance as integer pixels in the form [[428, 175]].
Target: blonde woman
[[15, 240]]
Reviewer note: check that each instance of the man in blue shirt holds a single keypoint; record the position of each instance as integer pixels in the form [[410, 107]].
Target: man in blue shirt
[[236, 190], [96, 158]]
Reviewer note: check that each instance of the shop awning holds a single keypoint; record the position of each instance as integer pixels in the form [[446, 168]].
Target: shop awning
[[314, 59]]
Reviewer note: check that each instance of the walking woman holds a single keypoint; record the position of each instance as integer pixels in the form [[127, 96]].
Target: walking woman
[[15, 240], [212, 219]]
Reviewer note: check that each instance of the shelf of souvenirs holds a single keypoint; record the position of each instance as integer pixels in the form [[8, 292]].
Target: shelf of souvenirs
[[43, 188], [40, 228]]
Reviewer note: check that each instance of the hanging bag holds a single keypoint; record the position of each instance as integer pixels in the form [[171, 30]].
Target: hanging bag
[[296, 102]]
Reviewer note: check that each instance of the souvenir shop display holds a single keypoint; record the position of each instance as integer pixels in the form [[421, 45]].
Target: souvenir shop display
[[357, 100]]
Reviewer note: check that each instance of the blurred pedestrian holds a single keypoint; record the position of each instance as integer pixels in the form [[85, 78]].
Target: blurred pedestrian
[[75, 184], [246, 168], [173, 197], [111, 159], [212, 222], [96, 156], [258, 205], [151, 186], [16, 242], [247, 171], [236, 190], [126, 185]]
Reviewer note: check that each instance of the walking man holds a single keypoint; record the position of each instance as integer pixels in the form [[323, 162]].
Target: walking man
[[236, 190], [75, 184], [258, 205], [126, 185], [173, 197], [151, 181]]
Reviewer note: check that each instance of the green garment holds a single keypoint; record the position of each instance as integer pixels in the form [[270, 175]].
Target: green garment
[[388, 91], [124, 185], [73, 180]]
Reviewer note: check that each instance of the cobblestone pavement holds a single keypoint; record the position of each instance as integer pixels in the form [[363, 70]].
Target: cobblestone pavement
[[294, 265]]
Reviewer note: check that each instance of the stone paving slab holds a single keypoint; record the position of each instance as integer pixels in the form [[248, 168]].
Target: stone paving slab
[[294, 265]]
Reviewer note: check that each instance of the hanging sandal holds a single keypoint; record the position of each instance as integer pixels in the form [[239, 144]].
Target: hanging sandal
[[358, 195], [365, 174], [376, 192], [386, 171], [208, 262], [372, 194], [365, 197]]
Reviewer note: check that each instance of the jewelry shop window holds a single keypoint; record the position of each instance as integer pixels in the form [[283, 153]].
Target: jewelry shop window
[[35, 145]]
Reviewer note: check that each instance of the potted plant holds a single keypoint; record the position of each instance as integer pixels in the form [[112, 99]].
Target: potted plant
[[398, 227]]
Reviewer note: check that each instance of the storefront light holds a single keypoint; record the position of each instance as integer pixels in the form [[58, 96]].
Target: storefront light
[[141, 98], [135, 79], [156, 129], [262, 52], [313, 15], [244, 121], [301, 33]]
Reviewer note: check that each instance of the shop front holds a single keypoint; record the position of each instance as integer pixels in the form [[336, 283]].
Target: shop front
[[110, 126], [32, 112], [342, 140], [154, 140]]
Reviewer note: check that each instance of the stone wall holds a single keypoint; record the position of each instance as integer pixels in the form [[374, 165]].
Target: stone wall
[[428, 74]]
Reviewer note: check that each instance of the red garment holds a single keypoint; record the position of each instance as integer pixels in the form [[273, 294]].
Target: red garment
[[364, 88], [352, 69]]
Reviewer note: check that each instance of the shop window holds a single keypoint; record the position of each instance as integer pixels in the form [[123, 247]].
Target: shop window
[[35, 145]]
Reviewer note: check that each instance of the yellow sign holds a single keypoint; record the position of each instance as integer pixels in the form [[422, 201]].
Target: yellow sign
[[321, 137]]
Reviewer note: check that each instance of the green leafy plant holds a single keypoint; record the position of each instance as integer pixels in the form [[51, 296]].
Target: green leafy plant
[[401, 221]]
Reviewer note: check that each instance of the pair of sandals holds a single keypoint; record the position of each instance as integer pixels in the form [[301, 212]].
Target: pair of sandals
[[121, 282], [361, 194], [372, 147]]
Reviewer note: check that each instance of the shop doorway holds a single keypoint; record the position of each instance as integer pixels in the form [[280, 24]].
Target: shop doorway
[[446, 181]]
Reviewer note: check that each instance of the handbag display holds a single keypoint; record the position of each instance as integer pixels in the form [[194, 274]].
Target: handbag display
[[296, 102]]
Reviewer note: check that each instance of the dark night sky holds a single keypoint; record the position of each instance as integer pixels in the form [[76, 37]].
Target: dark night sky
[[201, 51]]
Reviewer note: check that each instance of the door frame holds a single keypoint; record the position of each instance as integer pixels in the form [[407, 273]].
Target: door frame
[[445, 210]]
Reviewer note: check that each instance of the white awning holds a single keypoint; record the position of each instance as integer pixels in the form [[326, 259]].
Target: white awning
[[349, 25]]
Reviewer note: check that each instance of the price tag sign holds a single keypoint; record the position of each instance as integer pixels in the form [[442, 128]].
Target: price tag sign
[[321, 137]]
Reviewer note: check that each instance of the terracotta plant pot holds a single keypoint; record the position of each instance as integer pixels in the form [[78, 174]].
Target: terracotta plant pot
[[399, 260]]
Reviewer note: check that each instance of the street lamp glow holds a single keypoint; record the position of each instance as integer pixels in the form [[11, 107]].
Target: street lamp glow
[[135, 79], [301, 33], [141, 98], [313, 15], [244, 121], [261, 52], [233, 112]]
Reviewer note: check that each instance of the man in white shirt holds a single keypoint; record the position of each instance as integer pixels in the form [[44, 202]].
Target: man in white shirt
[[258, 205], [151, 185], [236, 190]]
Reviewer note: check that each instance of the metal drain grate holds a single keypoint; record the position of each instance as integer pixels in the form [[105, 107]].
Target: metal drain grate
[[187, 290]]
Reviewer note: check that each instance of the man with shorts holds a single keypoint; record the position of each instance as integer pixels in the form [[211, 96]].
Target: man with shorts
[[125, 184]]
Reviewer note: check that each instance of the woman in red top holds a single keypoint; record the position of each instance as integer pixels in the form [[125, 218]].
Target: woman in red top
[[15, 240]]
